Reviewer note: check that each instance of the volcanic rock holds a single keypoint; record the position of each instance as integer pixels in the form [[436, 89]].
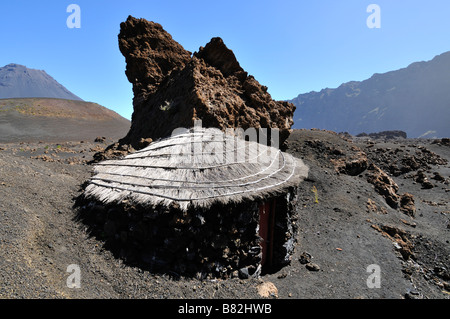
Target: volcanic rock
[[305, 258], [445, 141], [353, 164], [384, 185], [400, 237], [438, 177], [150, 53], [423, 179], [407, 204], [267, 289], [173, 88], [384, 135], [312, 267], [372, 207]]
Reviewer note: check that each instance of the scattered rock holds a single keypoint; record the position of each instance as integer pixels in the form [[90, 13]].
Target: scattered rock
[[305, 258], [408, 223], [407, 205], [312, 267], [352, 165], [243, 273], [384, 185], [96, 148], [398, 161], [44, 158], [444, 141], [384, 135], [438, 177], [399, 237], [144, 142], [267, 289], [421, 178], [442, 272], [413, 294], [427, 184], [372, 207], [113, 151]]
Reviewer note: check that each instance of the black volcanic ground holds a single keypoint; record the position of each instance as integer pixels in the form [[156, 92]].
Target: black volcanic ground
[[342, 235]]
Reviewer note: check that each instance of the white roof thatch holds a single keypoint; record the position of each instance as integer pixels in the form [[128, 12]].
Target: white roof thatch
[[197, 167]]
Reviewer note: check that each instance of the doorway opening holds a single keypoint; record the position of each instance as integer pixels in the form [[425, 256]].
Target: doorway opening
[[267, 211]]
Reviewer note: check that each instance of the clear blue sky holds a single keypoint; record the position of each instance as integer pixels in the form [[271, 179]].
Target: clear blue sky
[[292, 46]]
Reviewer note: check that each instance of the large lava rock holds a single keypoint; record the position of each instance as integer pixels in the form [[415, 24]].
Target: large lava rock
[[173, 87]]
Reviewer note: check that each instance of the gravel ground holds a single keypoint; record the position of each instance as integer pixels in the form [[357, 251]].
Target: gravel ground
[[40, 236]]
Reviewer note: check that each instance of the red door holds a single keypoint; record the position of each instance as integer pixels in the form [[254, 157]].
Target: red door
[[266, 222]]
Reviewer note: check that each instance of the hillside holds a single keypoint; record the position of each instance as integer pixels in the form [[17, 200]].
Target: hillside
[[18, 81], [35, 119], [415, 99]]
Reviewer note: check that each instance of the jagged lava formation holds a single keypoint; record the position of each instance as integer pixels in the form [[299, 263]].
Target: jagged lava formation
[[173, 87]]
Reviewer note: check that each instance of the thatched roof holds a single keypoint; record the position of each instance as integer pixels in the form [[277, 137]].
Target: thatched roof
[[197, 167]]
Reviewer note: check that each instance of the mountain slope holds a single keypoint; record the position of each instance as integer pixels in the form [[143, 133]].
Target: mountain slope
[[44, 119], [18, 81], [415, 99]]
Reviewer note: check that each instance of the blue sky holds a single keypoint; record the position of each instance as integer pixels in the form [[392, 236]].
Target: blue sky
[[292, 47]]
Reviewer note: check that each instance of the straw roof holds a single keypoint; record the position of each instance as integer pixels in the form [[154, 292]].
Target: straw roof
[[196, 167]]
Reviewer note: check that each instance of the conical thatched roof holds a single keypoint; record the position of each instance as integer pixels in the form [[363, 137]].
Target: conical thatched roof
[[196, 167]]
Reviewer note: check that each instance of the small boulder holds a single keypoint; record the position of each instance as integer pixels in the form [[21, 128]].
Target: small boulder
[[312, 267]]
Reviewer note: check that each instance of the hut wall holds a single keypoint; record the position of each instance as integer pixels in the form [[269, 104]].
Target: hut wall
[[221, 241], [217, 242], [285, 229]]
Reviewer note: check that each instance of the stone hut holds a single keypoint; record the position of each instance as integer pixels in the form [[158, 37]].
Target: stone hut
[[199, 203]]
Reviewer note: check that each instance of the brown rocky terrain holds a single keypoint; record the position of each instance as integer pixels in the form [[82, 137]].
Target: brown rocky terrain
[[347, 222]]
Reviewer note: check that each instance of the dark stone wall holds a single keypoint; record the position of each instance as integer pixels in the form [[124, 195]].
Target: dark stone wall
[[220, 242], [285, 229]]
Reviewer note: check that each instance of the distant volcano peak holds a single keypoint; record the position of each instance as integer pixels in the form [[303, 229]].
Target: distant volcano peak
[[18, 81]]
